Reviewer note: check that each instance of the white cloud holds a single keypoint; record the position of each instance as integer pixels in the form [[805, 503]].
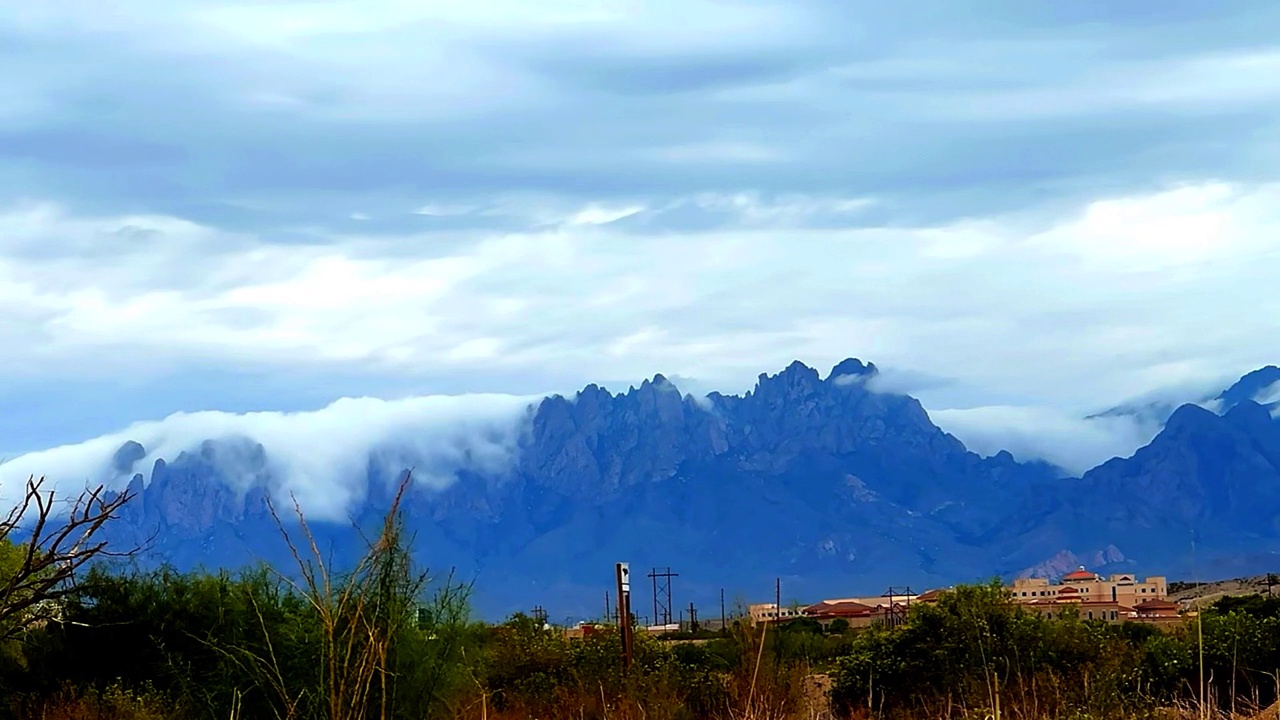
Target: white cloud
[[1270, 394], [600, 215], [320, 456], [1207, 84], [721, 151], [1089, 311], [708, 188], [1066, 440], [433, 210], [1191, 226], [752, 209]]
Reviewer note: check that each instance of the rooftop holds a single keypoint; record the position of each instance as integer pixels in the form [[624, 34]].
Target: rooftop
[[1080, 574]]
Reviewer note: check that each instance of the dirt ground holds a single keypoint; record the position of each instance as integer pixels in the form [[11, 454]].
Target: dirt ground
[[1190, 594], [817, 696]]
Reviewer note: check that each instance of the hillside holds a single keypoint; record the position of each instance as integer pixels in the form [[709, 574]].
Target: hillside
[[1190, 592]]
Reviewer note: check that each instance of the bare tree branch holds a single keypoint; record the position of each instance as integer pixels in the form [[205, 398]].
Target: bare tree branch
[[54, 552]]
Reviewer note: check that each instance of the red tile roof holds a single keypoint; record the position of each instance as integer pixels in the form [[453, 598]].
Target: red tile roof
[[1080, 574], [838, 609]]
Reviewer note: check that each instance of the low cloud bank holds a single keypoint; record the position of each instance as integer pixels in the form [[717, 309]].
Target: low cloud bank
[[1078, 442], [1073, 443], [320, 456]]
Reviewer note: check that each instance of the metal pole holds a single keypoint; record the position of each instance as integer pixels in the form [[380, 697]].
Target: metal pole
[[628, 636], [777, 599], [654, 574]]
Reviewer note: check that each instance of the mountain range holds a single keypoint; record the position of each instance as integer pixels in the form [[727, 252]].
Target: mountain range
[[827, 483]]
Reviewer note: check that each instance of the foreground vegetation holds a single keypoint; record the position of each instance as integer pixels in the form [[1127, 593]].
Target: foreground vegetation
[[384, 640]]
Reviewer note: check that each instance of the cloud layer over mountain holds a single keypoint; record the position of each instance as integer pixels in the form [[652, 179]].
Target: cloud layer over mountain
[[323, 456], [320, 457], [247, 206]]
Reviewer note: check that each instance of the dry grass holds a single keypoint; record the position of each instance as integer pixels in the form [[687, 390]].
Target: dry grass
[[113, 703]]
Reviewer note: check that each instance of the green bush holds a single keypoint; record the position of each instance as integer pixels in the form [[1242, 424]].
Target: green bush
[[976, 651]]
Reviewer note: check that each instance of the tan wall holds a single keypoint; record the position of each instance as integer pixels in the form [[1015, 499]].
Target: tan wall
[[1123, 589], [856, 621], [762, 612], [875, 600]]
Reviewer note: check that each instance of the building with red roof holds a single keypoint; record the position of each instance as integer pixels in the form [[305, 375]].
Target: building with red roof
[[1112, 598]]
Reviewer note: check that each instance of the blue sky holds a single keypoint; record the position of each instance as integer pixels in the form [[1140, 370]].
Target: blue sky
[[1024, 211]]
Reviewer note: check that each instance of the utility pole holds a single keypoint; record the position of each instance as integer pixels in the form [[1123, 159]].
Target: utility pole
[[777, 599], [662, 607], [623, 574], [723, 623], [895, 615], [693, 618], [608, 608]]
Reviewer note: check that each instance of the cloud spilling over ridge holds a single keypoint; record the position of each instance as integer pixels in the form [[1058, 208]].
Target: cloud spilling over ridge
[[1073, 443], [320, 456], [1269, 395]]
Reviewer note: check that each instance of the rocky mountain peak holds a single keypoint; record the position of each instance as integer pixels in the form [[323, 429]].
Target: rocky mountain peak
[[1261, 385], [127, 456], [1250, 416], [852, 368], [1189, 419]]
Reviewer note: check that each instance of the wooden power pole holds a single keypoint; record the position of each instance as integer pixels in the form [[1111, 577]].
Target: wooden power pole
[[623, 573]]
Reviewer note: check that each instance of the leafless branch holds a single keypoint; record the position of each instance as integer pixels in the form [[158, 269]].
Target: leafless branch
[[55, 550]]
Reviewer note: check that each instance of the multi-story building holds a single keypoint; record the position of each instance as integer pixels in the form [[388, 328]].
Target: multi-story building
[[1119, 598], [1084, 586]]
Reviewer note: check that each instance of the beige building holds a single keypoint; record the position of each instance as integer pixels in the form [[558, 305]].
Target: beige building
[[1119, 598], [1084, 586], [769, 612]]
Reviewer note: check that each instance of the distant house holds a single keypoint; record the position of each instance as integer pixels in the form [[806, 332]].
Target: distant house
[[854, 613], [584, 630], [861, 612], [1158, 612], [929, 596]]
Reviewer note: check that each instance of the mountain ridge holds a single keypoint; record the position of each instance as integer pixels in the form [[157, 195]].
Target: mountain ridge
[[822, 480]]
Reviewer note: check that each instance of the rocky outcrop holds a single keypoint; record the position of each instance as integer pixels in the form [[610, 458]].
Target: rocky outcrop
[[223, 482], [1064, 561]]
